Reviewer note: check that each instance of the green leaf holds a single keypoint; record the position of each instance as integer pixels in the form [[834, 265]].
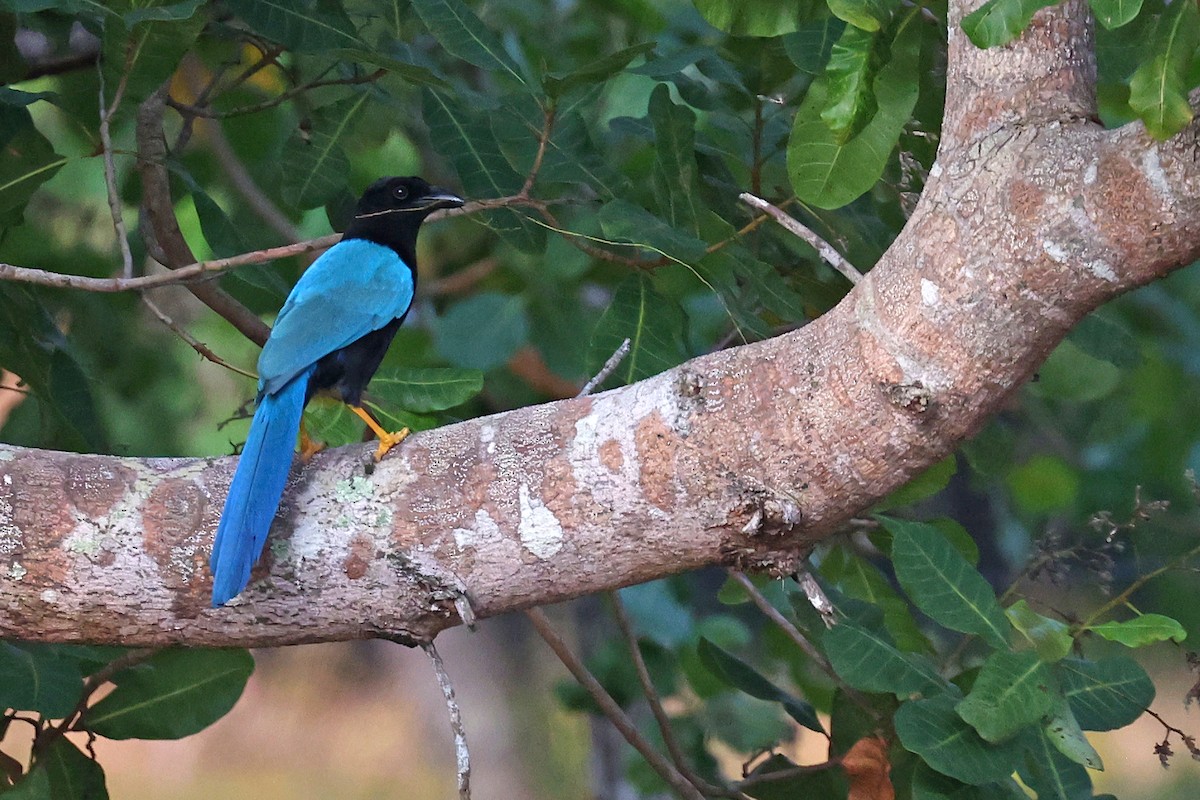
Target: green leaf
[[1158, 90], [396, 63], [32, 679], [427, 389], [1115, 13], [307, 26], [752, 17], [652, 323], [928, 784], [482, 331], [1107, 339], [810, 46], [1050, 773], [330, 422], [868, 15], [868, 660], [32, 346], [829, 174], [849, 73], [1012, 691], [773, 290], [676, 174], [34, 786], [315, 167], [557, 84], [1072, 375], [855, 577], [1051, 638], [464, 35], [1043, 484], [144, 55], [27, 159], [1106, 694], [1141, 631], [931, 729], [998, 22], [171, 12], [942, 584], [569, 156], [657, 614], [624, 222], [739, 674], [222, 236], [925, 485], [174, 694], [471, 146], [73, 776], [1063, 731]]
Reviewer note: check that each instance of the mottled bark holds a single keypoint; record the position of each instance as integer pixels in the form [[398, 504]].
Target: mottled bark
[[1032, 217]]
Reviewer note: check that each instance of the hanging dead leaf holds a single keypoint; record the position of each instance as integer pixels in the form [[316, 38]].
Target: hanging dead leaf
[[867, 766]]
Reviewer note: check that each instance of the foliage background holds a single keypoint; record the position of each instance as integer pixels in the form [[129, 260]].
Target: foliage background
[[662, 113]]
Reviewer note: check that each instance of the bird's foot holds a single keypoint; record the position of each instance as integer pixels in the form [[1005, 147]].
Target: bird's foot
[[389, 440]]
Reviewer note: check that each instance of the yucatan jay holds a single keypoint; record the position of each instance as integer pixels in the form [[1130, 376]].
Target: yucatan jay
[[330, 336]]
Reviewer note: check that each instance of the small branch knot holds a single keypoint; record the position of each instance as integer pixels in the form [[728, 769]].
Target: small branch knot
[[911, 397]]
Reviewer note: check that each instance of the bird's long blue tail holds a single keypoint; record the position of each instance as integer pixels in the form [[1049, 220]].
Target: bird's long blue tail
[[256, 488]]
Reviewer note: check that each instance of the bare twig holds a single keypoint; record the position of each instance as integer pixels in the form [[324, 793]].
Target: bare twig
[[613, 362], [543, 140], [192, 341], [831, 256], [611, 709], [201, 270], [784, 624], [208, 112], [75, 720], [656, 707], [462, 754], [110, 171]]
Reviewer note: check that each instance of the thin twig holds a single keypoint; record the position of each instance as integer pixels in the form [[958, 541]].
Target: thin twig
[[462, 754], [192, 341], [235, 171], [655, 703], [615, 714], [202, 270], [543, 140], [825, 250], [613, 362], [110, 170], [784, 624], [210, 113], [75, 720]]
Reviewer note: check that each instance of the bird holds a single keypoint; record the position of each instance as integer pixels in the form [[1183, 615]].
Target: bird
[[330, 338]]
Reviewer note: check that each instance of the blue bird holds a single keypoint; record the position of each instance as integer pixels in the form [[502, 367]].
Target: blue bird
[[330, 337]]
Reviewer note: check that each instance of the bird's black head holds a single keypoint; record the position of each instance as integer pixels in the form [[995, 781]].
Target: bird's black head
[[391, 211]]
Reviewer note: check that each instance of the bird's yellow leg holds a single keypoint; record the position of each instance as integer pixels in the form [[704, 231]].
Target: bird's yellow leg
[[386, 440], [309, 446]]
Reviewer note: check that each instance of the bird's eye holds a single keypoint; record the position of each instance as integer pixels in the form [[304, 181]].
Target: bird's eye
[[400, 192]]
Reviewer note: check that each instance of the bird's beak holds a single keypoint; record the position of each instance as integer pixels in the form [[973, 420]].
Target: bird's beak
[[442, 198]]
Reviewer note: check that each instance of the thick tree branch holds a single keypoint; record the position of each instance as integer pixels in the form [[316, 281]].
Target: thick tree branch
[[745, 456]]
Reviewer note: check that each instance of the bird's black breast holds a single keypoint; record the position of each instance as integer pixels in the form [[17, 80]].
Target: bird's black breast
[[346, 372]]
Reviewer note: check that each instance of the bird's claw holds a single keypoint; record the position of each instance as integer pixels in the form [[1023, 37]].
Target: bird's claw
[[389, 440]]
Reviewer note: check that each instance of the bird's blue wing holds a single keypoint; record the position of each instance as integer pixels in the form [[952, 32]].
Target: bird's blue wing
[[354, 288]]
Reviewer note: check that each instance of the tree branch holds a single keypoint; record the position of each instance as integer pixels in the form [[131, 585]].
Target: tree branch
[[744, 457]]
